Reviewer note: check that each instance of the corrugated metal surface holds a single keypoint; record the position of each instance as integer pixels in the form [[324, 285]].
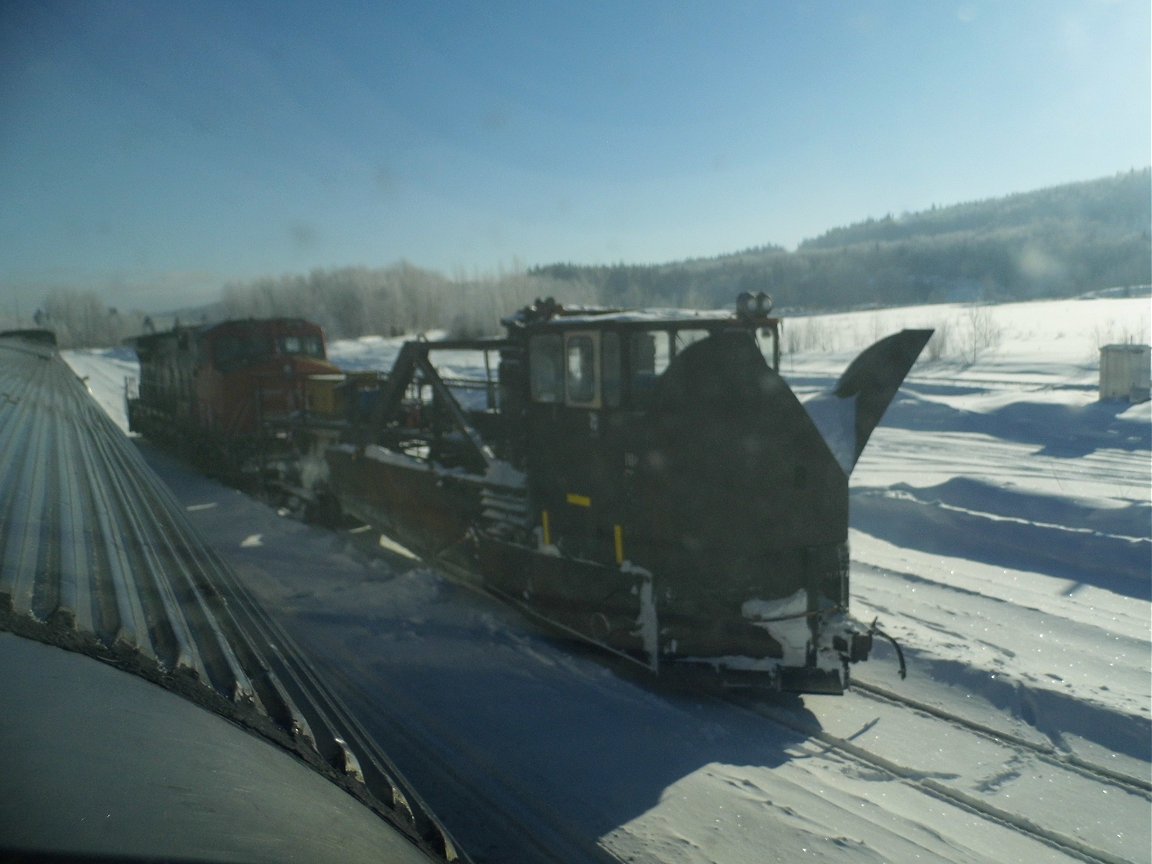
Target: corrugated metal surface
[[96, 556]]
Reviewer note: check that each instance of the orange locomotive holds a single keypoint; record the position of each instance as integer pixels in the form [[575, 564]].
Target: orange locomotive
[[218, 392]]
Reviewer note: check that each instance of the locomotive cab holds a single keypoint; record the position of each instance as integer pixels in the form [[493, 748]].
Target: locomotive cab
[[593, 381], [250, 373]]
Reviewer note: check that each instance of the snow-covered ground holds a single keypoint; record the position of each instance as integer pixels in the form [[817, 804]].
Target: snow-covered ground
[[1002, 531]]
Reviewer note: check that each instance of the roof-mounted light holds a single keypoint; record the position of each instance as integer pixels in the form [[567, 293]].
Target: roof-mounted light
[[749, 305]]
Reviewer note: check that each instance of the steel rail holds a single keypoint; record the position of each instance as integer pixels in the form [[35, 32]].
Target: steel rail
[[985, 810], [1046, 752]]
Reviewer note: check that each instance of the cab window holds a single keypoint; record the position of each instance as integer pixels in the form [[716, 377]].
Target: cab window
[[580, 369], [545, 362], [648, 356], [308, 345]]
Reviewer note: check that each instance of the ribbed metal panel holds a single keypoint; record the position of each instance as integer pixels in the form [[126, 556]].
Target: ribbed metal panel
[[97, 556]]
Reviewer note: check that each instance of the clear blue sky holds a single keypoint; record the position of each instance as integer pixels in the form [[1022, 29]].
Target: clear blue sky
[[155, 150]]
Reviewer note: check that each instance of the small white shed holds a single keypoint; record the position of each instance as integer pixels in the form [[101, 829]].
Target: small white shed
[[1125, 372]]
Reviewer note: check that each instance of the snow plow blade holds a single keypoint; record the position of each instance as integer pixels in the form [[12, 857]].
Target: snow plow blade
[[847, 414]]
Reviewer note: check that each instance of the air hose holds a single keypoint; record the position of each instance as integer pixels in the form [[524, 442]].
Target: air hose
[[876, 631]]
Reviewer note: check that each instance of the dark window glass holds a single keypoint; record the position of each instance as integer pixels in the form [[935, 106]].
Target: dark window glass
[[581, 368], [545, 362]]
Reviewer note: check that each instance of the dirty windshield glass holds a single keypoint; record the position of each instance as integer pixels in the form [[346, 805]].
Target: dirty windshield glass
[[372, 489]]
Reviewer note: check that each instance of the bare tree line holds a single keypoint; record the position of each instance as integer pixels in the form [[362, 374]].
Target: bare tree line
[[81, 319], [355, 301], [347, 302]]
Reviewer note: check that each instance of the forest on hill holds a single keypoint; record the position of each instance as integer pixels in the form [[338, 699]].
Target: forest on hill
[[1057, 242]]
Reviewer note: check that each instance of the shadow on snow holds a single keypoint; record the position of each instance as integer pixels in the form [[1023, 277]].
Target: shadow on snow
[[965, 518], [1060, 431]]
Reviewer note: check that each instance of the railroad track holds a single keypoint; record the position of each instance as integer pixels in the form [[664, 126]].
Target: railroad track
[[1029, 825], [517, 823], [1036, 827], [1047, 752]]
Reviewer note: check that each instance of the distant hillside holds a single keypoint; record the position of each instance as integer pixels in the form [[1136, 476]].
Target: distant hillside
[[1056, 242], [1059, 242]]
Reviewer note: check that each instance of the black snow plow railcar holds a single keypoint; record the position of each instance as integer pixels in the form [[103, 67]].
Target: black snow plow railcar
[[644, 480]]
